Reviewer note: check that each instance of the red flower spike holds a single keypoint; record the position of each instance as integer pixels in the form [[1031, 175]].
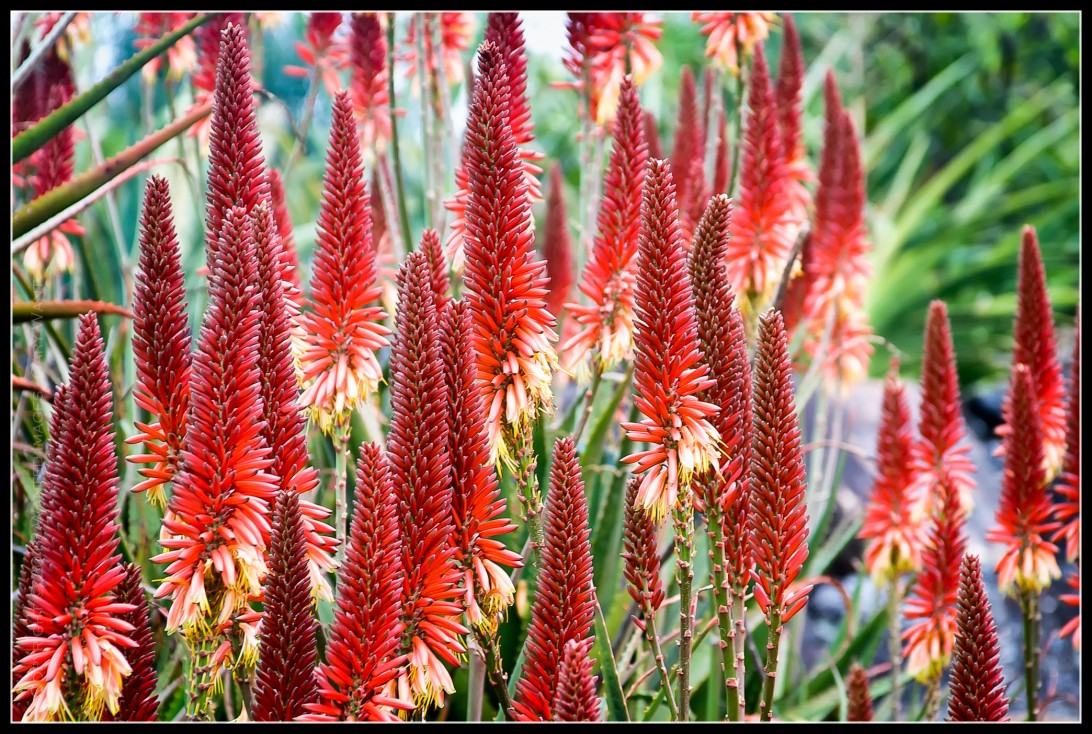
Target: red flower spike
[[564, 606], [421, 472], [778, 514], [939, 452], [977, 685], [236, 166], [790, 80], [890, 523], [477, 505], [763, 226], [610, 278], [557, 248], [1068, 510], [437, 266], [161, 345], [1025, 513], [285, 429], [669, 374], [576, 699], [362, 658], [928, 642], [641, 554], [217, 527], [207, 41], [722, 171], [689, 143], [72, 664], [506, 285], [138, 699], [285, 683], [859, 707], [368, 60], [342, 331], [1036, 347], [321, 54], [290, 263]]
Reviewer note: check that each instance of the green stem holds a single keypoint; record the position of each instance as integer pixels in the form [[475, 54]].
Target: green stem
[[495, 670], [722, 602], [1029, 607], [653, 638], [765, 705], [894, 644], [341, 466], [684, 575], [395, 154], [589, 400], [739, 641], [931, 701], [204, 679], [527, 488]]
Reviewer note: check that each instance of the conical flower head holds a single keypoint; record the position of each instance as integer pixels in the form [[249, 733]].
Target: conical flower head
[[161, 344], [641, 554], [342, 330], [941, 451], [977, 685], [1068, 510], [206, 40], [362, 658], [859, 706], [689, 143], [421, 472], [437, 267], [1025, 513], [890, 523], [564, 607], [609, 280], [576, 699], [370, 95], [138, 699], [790, 80], [669, 374], [506, 285], [778, 515], [72, 663], [284, 683], [1036, 347], [476, 502]]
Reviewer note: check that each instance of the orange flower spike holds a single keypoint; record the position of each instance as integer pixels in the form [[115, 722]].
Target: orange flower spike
[[506, 285], [71, 662], [477, 504], [669, 374], [285, 424], [1025, 514], [138, 698], [941, 450], [1068, 511], [977, 685], [421, 472], [161, 345], [564, 606], [557, 248], [728, 34], [763, 232], [362, 658], [368, 61], [932, 601], [609, 278], [1035, 346], [576, 699], [790, 80], [342, 331], [895, 533]]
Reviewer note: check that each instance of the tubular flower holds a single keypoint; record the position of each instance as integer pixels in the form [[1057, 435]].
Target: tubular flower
[[1025, 514], [421, 471], [285, 425], [285, 684], [1068, 511], [557, 248], [138, 700], [206, 39], [610, 278], [621, 41], [928, 642], [477, 505], [321, 53], [730, 36], [688, 149], [217, 527], [506, 285], [938, 453], [895, 533], [977, 685], [778, 514], [455, 33], [504, 31], [161, 345], [859, 707], [564, 607], [1036, 347], [575, 699], [641, 555], [181, 56], [790, 80], [437, 268], [342, 331], [763, 228], [72, 664], [368, 61], [236, 166], [362, 658], [669, 374]]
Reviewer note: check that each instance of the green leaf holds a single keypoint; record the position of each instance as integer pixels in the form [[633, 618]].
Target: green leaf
[[604, 655]]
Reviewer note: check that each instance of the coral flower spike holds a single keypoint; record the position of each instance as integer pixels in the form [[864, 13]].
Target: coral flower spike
[[138, 699], [506, 285], [669, 373], [977, 685], [72, 663], [341, 329]]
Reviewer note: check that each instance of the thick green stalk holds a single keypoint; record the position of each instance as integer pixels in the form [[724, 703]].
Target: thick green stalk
[[1029, 607], [739, 641], [722, 602], [765, 705], [653, 638], [341, 467], [204, 680], [495, 669], [684, 575], [527, 487]]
